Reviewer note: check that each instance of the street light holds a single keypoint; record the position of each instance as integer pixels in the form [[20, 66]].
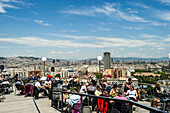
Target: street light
[[169, 58], [99, 58], [44, 59]]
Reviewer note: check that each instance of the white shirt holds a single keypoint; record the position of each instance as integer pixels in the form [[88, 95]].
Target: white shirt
[[82, 90], [57, 78], [48, 83], [37, 84], [43, 78], [5, 82], [132, 93]]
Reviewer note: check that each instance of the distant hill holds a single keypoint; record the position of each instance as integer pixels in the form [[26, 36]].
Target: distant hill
[[25, 57], [95, 59], [1, 58], [131, 58]]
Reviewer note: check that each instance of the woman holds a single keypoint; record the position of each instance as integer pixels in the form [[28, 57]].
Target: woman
[[158, 90], [104, 83], [48, 84], [114, 91], [132, 94], [155, 103]]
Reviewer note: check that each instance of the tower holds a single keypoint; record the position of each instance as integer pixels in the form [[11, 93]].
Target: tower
[[107, 60]]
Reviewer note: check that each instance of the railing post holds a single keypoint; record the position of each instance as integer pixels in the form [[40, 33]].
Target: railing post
[[130, 107], [62, 101], [81, 104], [51, 97]]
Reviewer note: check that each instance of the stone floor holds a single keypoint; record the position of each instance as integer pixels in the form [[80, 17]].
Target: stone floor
[[20, 104]]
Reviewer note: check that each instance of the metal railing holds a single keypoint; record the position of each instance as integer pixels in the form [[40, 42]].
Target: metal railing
[[131, 103]]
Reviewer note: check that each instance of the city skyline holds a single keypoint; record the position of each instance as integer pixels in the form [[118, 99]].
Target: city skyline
[[80, 29]]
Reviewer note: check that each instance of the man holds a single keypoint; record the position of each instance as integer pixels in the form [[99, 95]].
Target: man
[[40, 89], [91, 89], [127, 85]]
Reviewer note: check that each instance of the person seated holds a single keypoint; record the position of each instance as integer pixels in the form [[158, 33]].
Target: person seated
[[35, 77], [65, 97], [84, 88], [104, 83], [43, 79], [158, 90], [127, 85], [65, 84], [102, 103], [97, 93], [57, 78], [6, 85], [28, 88], [120, 96], [47, 84], [114, 91], [91, 89], [121, 106], [40, 89], [155, 103], [74, 99], [20, 86], [132, 94], [1, 78]]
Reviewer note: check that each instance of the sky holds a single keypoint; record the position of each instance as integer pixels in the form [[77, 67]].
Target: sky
[[82, 29]]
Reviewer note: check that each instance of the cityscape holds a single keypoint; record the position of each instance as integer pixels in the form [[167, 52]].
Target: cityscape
[[84, 56]]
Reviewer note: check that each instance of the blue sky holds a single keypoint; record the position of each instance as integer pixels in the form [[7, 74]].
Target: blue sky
[[79, 29]]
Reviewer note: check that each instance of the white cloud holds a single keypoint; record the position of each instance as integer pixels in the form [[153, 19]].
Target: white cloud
[[148, 36], [4, 34], [137, 55], [29, 51], [41, 22], [133, 28], [167, 2], [167, 39], [70, 36], [4, 5], [59, 52], [76, 42], [133, 11], [139, 5], [160, 48], [154, 23], [68, 30], [109, 10], [141, 49], [165, 15], [101, 29]]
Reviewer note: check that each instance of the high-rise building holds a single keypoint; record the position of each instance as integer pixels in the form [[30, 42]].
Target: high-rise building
[[107, 60]]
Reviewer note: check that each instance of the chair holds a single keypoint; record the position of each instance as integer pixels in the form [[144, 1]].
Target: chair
[[86, 109], [6, 87], [2, 96], [121, 107], [18, 87], [28, 89], [113, 110], [55, 99]]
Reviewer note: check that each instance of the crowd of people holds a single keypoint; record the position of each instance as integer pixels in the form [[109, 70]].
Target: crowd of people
[[89, 85]]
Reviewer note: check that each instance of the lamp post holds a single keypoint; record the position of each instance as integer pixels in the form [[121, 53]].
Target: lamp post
[[44, 59], [169, 58], [99, 58]]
